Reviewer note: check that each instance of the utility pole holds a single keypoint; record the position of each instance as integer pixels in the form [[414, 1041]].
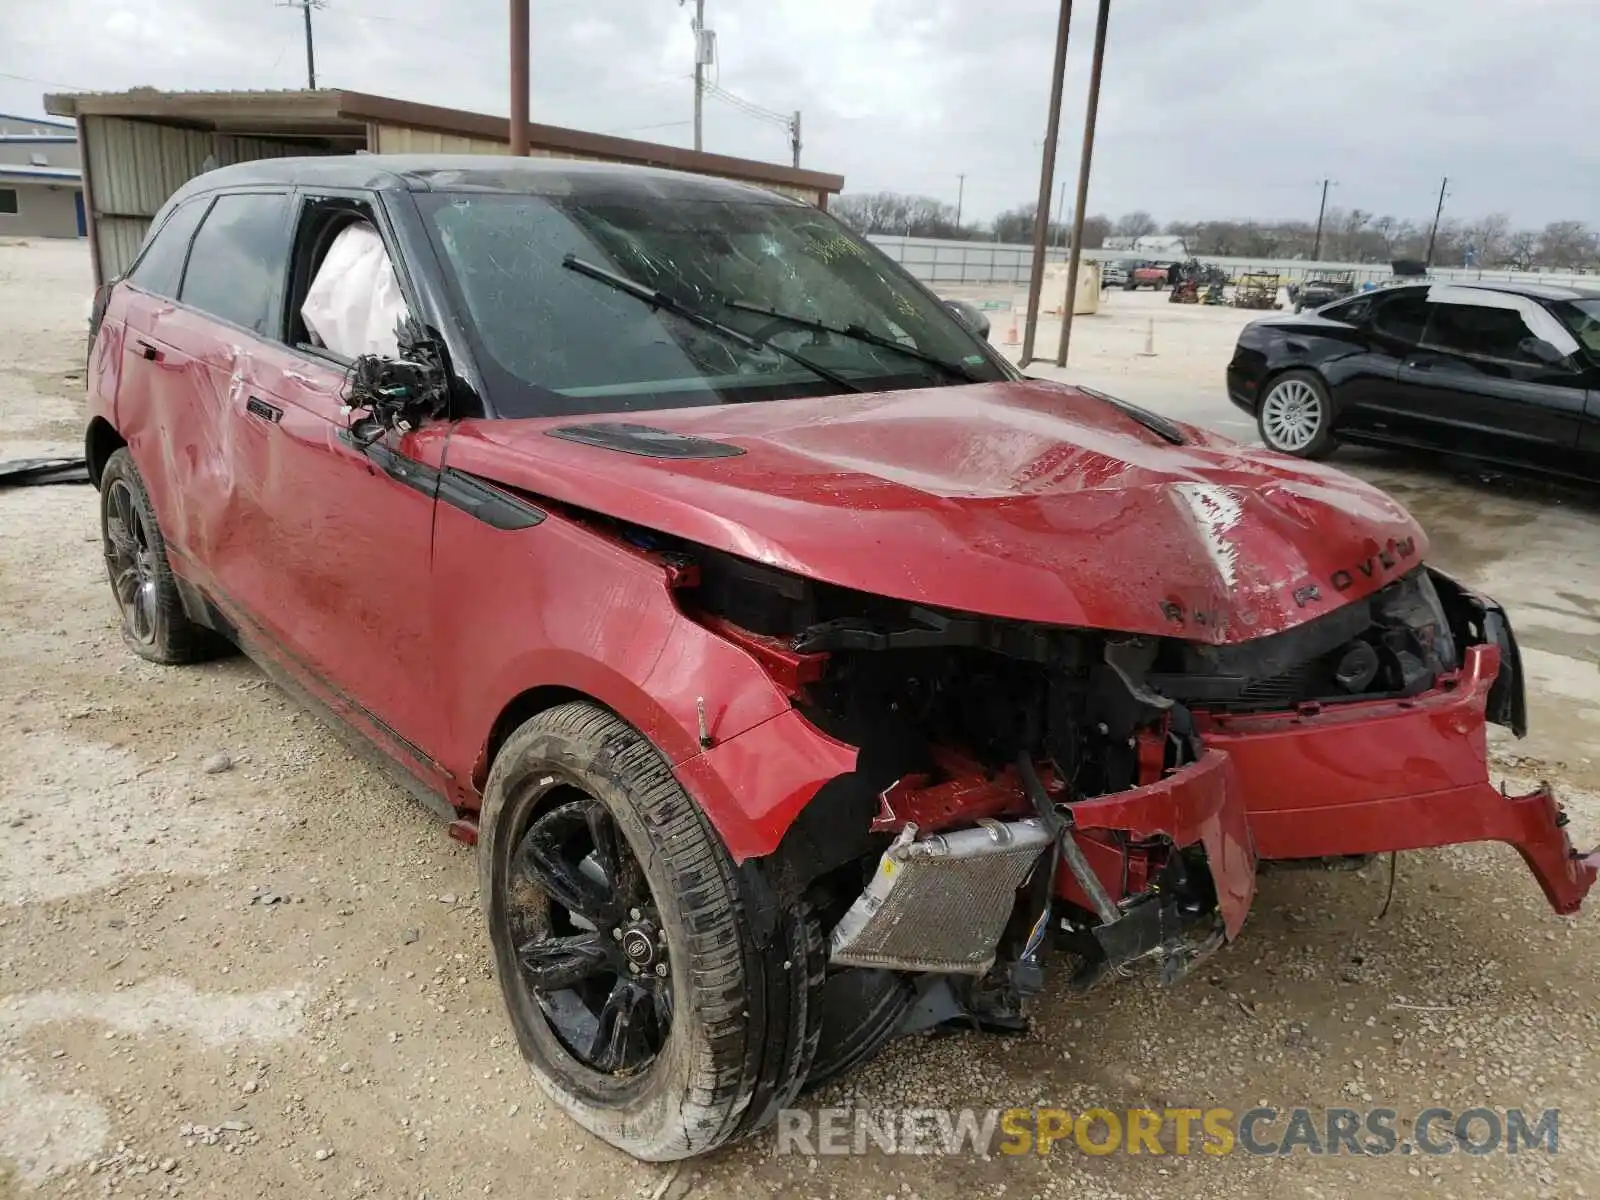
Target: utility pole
[[794, 138], [1316, 249], [519, 77], [1047, 176], [1075, 254], [703, 52], [1061, 212], [961, 192], [1437, 213], [305, 7]]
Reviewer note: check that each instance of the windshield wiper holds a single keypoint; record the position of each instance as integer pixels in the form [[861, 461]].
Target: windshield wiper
[[858, 332], [1156, 424], [659, 299]]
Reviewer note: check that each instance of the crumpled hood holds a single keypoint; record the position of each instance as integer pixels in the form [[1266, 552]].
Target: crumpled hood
[[1028, 500]]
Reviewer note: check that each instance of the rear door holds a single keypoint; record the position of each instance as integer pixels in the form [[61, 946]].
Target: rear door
[[148, 384], [231, 286], [1496, 376]]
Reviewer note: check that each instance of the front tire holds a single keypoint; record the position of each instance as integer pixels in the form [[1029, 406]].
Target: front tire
[[1296, 415], [650, 1006], [154, 623]]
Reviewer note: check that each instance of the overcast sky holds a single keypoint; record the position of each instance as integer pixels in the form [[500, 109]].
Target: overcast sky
[[1209, 110]]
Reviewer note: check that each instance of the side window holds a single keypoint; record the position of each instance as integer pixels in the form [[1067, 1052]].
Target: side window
[[1479, 330], [1352, 312], [238, 259], [160, 267], [8, 201], [1402, 317]]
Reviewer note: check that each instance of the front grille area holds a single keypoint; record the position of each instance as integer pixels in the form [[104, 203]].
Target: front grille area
[[1392, 643]]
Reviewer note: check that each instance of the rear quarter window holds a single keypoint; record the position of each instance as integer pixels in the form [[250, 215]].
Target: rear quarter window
[[160, 268], [1352, 312]]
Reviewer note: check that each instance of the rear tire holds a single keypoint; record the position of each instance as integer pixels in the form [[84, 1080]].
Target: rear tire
[[1296, 415], [154, 623], [724, 1024]]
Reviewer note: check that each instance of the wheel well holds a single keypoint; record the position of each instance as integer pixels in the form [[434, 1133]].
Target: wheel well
[[523, 707], [99, 444]]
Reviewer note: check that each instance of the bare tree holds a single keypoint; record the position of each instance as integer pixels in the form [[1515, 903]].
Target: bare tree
[[1096, 229], [1352, 234], [1136, 225], [1487, 237], [894, 213], [1016, 225], [1522, 247], [1566, 245]]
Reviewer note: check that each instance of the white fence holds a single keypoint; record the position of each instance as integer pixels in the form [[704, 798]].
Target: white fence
[[934, 260]]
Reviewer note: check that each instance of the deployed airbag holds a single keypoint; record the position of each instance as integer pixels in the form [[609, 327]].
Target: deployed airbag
[[354, 303]]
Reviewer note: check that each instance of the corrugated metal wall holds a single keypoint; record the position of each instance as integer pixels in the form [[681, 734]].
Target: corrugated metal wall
[[400, 139], [134, 166]]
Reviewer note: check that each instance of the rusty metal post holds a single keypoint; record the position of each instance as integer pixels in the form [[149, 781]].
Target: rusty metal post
[[1047, 176], [1074, 255], [519, 77], [91, 207]]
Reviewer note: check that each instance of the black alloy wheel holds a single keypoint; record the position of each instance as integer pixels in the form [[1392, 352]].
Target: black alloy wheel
[[589, 941]]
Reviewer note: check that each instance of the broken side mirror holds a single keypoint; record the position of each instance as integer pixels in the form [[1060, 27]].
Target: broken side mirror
[[969, 315], [398, 394]]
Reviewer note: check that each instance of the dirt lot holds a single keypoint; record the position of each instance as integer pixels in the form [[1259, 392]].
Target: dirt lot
[[270, 979]]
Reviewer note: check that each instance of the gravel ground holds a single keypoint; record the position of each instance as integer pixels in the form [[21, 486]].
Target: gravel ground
[[265, 975]]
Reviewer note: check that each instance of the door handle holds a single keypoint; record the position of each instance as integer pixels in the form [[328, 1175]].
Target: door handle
[[260, 408], [147, 350], [1420, 364]]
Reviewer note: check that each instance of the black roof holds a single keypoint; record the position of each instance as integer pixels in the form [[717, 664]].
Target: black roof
[[498, 173]]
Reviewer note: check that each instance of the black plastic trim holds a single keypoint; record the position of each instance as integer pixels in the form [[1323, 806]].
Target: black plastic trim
[[486, 502], [644, 440], [473, 496]]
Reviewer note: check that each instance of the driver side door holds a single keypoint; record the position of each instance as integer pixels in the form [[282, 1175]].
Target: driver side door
[[345, 566]]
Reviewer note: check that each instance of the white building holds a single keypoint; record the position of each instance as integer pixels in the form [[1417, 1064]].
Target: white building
[[1159, 245], [41, 181]]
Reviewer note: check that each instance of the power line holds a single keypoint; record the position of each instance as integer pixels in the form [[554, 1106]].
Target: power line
[[76, 87], [750, 108], [789, 121], [642, 128]]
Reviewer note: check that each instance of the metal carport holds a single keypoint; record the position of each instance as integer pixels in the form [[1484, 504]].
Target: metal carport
[[140, 146]]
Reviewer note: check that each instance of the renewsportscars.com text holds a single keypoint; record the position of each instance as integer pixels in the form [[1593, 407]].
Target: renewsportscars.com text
[[1170, 1131]]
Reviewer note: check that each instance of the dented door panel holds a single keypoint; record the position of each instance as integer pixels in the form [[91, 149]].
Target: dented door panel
[[340, 550]]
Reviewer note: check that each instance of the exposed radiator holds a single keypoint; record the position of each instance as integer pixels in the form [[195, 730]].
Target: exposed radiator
[[942, 902]]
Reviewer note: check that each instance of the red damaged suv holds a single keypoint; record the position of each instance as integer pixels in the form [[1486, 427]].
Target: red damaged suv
[[798, 668]]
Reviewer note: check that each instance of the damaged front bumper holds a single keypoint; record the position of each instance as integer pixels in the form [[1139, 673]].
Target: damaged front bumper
[[1407, 774], [940, 901]]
